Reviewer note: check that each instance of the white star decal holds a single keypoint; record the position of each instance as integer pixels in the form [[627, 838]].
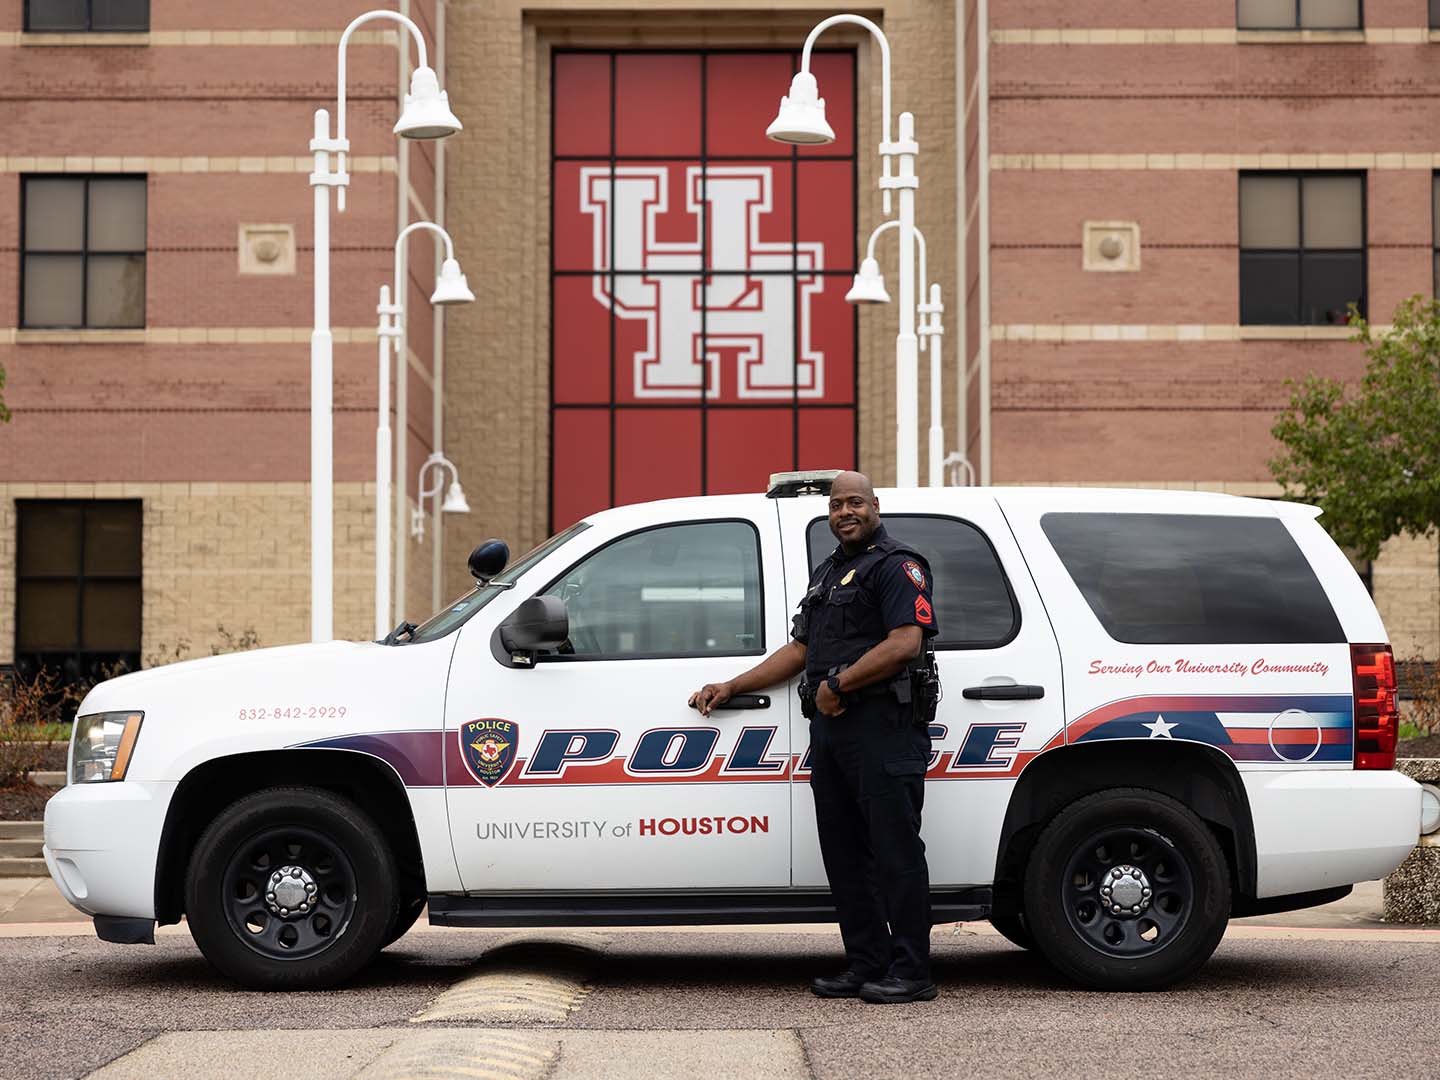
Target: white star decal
[[1160, 729]]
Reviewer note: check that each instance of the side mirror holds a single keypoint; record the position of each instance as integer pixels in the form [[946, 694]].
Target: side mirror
[[539, 623], [489, 559]]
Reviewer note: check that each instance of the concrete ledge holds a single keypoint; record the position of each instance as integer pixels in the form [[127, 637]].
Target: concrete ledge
[[1412, 891], [1299, 37], [46, 778]]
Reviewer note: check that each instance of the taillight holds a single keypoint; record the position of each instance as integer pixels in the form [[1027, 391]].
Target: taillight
[[1377, 716]]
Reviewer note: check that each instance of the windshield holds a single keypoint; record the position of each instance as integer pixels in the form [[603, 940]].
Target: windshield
[[456, 613]]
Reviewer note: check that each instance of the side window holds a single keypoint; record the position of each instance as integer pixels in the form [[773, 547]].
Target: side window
[[1193, 579], [973, 602], [677, 590]]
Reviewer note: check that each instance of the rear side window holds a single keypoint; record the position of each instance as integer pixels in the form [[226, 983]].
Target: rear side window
[[973, 602], [1190, 579]]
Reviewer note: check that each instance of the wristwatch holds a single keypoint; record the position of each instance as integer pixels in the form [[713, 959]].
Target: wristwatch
[[834, 683]]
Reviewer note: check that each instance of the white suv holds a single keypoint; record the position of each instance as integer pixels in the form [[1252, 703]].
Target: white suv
[[1161, 710]]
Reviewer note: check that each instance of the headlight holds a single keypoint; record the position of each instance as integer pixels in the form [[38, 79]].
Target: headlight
[[103, 743]]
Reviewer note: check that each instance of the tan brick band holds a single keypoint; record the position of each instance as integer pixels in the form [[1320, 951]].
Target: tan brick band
[[1182, 332], [186, 335], [1222, 35], [12, 38], [1221, 162], [82, 163]]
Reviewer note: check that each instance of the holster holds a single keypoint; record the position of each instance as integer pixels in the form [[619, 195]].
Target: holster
[[807, 701], [922, 687]]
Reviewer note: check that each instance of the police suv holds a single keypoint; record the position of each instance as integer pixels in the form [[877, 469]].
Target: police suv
[[1161, 710]]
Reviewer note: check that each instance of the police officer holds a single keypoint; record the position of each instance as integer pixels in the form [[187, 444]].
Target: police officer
[[859, 633]]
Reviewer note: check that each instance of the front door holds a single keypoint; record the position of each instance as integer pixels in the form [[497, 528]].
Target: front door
[[589, 771], [993, 631]]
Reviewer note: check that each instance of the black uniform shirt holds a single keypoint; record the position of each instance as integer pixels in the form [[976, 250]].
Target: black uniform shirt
[[854, 601]]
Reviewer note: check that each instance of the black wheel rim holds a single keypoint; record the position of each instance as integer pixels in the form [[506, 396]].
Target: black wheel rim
[[248, 886], [1128, 858]]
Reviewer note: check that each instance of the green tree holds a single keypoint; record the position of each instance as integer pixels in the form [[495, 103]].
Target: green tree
[[1369, 455]]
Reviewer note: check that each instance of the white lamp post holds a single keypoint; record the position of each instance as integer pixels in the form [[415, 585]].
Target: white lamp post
[[426, 115], [801, 121], [869, 288], [450, 288], [454, 502]]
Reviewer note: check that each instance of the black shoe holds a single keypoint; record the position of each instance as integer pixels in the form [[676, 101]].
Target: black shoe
[[893, 990], [845, 985]]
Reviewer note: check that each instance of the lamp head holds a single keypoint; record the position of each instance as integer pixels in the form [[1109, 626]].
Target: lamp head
[[427, 112], [801, 119], [455, 502], [451, 286], [869, 285]]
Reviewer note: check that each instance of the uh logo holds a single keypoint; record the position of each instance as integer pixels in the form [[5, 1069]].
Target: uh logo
[[691, 325]]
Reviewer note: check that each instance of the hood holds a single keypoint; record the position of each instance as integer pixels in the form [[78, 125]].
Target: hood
[[315, 665]]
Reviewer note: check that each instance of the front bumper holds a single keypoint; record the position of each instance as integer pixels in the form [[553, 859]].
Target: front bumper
[[102, 842], [1317, 829]]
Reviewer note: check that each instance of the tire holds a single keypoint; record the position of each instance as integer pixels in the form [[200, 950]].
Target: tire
[[342, 893], [1012, 926], [1129, 840], [408, 911]]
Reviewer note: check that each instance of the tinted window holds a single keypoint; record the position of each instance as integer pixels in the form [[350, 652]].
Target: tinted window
[[1160, 579], [973, 603], [679, 590], [78, 587]]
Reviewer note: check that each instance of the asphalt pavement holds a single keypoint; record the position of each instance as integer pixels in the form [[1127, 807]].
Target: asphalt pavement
[[1350, 996]]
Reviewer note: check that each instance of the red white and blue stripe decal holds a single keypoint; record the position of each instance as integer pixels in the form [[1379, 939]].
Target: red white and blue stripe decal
[[1278, 729], [1265, 729]]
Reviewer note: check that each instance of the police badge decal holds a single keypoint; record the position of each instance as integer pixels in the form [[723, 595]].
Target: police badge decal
[[488, 748]]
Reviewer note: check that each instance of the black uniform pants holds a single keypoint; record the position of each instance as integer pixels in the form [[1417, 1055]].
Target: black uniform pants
[[868, 778]]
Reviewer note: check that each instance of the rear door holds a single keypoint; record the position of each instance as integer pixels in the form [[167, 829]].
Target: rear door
[[994, 638], [1191, 618]]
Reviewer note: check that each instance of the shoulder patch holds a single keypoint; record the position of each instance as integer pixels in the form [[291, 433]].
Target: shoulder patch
[[915, 573]]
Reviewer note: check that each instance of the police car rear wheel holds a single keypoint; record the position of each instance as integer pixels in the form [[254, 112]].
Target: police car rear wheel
[[291, 889], [1127, 890]]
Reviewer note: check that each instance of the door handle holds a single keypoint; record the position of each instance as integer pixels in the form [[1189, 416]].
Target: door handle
[[747, 701], [1004, 692]]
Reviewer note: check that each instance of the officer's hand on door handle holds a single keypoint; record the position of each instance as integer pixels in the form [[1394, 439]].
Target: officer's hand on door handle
[[711, 696], [827, 701]]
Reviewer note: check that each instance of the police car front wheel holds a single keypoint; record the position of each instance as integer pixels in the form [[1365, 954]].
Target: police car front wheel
[[291, 889], [1127, 890]]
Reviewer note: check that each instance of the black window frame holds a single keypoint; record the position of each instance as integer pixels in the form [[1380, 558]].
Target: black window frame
[[89, 27], [1300, 251], [893, 524], [84, 253], [570, 658], [31, 660], [790, 154], [1435, 14], [1298, 26]]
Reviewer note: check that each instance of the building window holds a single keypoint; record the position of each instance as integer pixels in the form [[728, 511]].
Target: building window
[[1302, 248], [700, 338], [70, 16], [77, 587], [1300, 14], [83, 249], [1435, 14]]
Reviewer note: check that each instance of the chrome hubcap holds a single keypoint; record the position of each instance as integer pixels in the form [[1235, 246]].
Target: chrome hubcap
[[290, 891], [1125, 890]]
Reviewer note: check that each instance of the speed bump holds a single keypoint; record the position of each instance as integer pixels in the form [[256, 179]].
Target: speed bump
[[526, 978]]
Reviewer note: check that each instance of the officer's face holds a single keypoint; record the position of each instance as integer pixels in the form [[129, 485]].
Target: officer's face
[[854, 515]]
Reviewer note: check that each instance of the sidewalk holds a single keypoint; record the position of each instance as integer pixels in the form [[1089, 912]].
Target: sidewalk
[[33, 907]]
